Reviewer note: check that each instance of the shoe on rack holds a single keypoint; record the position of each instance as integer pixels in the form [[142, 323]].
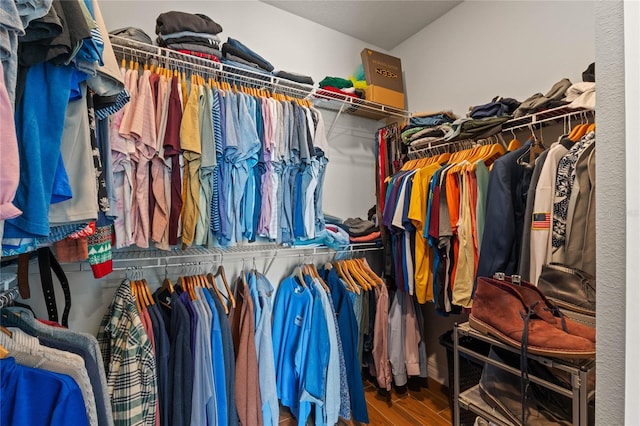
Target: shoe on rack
[[500, 310], [546, 309], [569, 288], [502, 391]]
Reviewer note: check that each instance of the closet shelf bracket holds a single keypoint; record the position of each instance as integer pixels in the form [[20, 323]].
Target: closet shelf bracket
[[335, 120]]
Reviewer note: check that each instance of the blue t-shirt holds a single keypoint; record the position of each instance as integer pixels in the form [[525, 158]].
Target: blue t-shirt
[[291, 330], [30, 396]]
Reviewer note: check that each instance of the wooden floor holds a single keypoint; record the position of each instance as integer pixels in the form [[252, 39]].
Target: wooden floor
[[429, 407]]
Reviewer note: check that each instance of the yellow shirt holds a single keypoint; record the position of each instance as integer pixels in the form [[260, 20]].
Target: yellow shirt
[[417, 214], [191, 146]]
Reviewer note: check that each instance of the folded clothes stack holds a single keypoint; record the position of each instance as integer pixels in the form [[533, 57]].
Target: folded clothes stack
[[469, 128], [193, 34], [498, 107], [427, 127], [539, 102], [356, 229], [341, 86], [296, 78], [237, 54]]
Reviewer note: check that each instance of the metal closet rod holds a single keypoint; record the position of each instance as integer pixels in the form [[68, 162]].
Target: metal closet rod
[[265, 253]]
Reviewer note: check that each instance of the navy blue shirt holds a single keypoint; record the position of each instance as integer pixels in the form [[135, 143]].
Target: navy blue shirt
[[348, 327]]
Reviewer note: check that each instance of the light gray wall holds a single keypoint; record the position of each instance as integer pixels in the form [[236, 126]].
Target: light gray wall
[[482, 49], [632, 127], [287, 41], [610, 215]]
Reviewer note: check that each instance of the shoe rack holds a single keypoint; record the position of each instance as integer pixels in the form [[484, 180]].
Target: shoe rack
[[471, 400]]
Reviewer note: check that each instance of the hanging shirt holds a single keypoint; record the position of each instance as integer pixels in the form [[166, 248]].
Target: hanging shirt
[[328, 412], [314, 377], [465, 267], [28, 351], [160, 170], [76, 153], [261, 292], [218, 359], [291, 322], [46, 94], [129, 361], [191, 146], [172, 152], [162, 350], [539, 242], [247, 390], [203, 407], [60, 400], [349, 338], [417, 214], [143, 129], [380, 351], [564, 185], [10, 172], [506, 200], [207, 165], [180, 365]]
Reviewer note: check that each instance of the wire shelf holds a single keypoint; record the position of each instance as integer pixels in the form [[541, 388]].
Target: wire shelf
[[553, 114], [543, 116], [129, 49]]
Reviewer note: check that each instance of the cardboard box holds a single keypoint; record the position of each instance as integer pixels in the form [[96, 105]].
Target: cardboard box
[[384, 76], [384, 96]]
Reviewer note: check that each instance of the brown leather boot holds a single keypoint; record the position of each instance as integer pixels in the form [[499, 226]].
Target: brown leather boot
[[498, 309], [547, 310]]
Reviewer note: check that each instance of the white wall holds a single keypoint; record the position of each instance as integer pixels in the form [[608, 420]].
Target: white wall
[[482, 49], [632, 109], [289, 42]]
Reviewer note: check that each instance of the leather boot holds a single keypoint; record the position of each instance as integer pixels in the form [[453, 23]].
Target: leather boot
[[502, 391], [569, 288], [499, 310], [547, 310]]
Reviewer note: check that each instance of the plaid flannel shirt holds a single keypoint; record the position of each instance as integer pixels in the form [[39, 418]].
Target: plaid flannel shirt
[[129, 361]]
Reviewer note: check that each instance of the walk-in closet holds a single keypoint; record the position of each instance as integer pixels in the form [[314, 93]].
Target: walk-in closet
[[314, 212]]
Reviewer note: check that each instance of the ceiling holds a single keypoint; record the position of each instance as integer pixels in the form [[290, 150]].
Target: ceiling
[[384, 24]]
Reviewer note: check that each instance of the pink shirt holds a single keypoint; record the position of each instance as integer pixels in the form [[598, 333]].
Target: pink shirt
[[10, 167], [143, 129]]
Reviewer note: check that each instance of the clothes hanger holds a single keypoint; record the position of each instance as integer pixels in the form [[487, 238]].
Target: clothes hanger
[[343, 273], [212, 279], [6, 331], [364, 266], [220, 272], [366, 282], [3, 352], [167, 285]]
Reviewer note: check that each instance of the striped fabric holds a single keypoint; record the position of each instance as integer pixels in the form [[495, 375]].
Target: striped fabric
[[217, 136], [121, 100]]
